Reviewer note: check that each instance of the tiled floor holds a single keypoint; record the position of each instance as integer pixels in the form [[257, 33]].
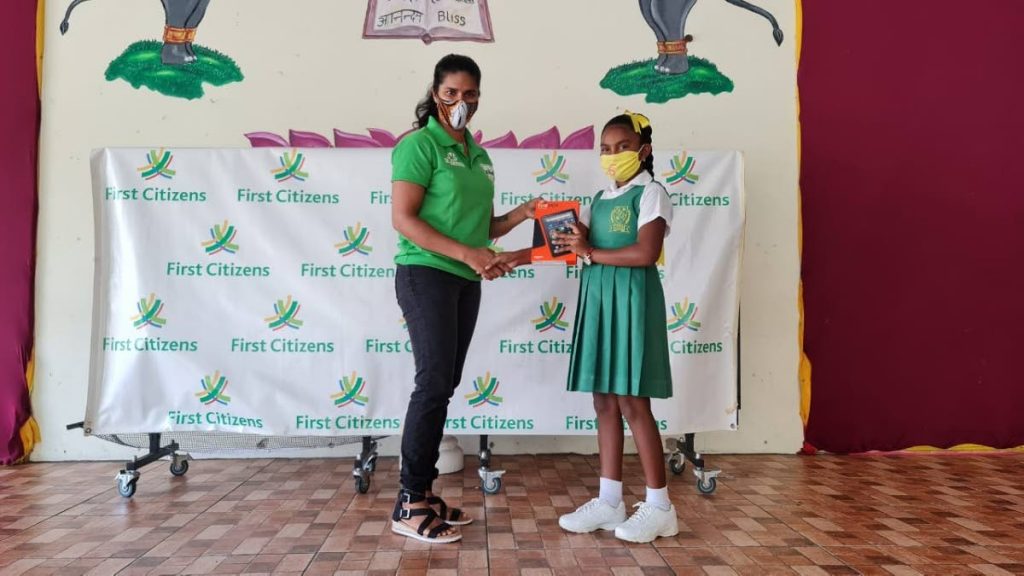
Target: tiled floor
[[771, 515]]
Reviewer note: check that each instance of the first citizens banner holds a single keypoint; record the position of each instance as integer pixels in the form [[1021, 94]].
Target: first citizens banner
[[252, 291]]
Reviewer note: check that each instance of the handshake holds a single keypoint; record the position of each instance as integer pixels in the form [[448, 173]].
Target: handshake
[[490, 265]]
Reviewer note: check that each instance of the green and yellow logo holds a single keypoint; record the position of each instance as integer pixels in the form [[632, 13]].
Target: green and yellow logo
[[149, 313], [485, 390], [682, 170], [158, 164], [213, 390], [355, 242], [222, 239], [351, 391], [291, 167], [551, 167], [492, 245], [285, 315], [621, 217], [551, 314], [683, 316]]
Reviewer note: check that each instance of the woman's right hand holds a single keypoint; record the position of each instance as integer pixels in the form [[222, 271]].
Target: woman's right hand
[[479, 259], [506, 262]]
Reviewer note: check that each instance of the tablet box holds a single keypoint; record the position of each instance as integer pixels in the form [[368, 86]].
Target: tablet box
[[552, 218]]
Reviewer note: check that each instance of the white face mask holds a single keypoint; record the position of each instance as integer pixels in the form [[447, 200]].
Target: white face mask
[[457, 113]]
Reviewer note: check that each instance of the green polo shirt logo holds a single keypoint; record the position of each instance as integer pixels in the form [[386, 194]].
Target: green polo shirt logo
[[452, 159], [459, 196]]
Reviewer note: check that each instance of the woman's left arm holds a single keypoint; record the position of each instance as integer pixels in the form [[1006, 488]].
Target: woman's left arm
[[501, 225]]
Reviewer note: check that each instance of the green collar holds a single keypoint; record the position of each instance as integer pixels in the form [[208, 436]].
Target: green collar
[[442, 137]]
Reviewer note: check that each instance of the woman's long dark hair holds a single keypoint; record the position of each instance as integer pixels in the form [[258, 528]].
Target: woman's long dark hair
[[450, 64], [645, 138]]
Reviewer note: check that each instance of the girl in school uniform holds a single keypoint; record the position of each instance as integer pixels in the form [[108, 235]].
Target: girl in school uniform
[[620, 345]]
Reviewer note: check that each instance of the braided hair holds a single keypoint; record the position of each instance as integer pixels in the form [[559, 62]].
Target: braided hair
[[645, 138]]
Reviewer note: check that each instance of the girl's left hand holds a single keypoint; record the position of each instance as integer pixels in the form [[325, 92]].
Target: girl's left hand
[[576, 242]]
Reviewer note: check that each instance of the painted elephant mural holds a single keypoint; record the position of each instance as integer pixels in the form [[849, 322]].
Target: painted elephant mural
[[175, 66], [667, 18], [675, 73], [182, 20]]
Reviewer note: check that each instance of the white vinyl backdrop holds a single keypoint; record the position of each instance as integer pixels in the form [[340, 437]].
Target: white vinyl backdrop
[[253, 291]]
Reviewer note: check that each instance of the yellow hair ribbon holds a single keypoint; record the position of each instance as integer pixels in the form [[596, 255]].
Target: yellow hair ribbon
[[639, 121]]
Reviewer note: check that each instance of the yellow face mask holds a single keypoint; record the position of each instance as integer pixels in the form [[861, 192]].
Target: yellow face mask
[[621, 166]]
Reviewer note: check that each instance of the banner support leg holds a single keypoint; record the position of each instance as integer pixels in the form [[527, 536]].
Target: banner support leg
[[490, 480], [686, 452]]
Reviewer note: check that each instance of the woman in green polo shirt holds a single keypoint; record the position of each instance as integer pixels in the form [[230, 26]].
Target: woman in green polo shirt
[[443, 210]]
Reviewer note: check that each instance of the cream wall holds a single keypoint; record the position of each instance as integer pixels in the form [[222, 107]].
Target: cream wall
[[307, 68]]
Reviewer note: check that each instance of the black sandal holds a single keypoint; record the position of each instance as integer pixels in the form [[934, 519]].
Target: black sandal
[[456, 517], [423, 533]]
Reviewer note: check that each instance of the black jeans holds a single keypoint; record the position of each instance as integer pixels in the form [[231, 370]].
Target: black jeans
[[440, 311]]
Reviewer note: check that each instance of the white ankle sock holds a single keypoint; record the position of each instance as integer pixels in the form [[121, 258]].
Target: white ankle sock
[[611, 492], [657, 497]]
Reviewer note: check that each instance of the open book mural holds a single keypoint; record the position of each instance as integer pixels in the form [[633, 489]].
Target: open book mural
[[429, 20]]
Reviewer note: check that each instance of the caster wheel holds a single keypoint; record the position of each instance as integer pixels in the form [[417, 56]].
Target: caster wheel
[[707, 487], [179, 467], [677, 464], [127, 488], [371, 465], [492, 486], [362, 484]]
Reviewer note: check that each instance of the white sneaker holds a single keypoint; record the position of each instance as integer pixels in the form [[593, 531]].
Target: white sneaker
[[594, 515], [648, 523]]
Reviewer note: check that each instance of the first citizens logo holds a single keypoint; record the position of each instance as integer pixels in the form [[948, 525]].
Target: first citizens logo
[[484, 394], [149, 314], [355, 242], [551, 323], [222, 239], [682, 318], [356, 238], [222, 243], [285, 315], [551, 167], [212, 396], [485, 391], [157, 168], [682, 170], [286, 311], [158, 164], [551, 314], [214, 390], [351, 394], [291, 167]]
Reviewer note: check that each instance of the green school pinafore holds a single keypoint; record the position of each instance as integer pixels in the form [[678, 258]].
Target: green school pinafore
[[620, 340]]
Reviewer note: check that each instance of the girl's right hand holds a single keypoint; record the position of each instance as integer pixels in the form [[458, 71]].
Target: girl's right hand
[[576, 242]]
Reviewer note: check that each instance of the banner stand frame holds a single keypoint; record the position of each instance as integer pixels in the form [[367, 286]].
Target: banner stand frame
[[127, 479]]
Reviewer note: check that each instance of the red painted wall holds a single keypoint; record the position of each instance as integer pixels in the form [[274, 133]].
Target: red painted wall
[[19, 119], [912, 115]]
